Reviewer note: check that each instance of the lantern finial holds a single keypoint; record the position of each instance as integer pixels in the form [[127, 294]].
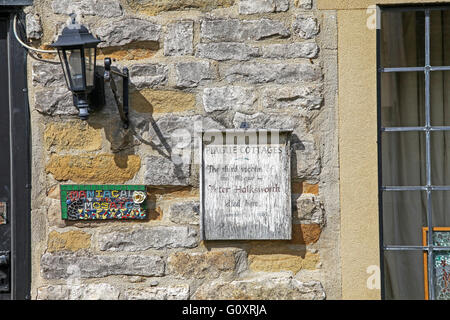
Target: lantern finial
[[72, 22]]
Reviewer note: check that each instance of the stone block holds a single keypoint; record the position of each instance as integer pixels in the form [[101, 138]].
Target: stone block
[[266, 287], [54, 214], [68, 241], [304, 4], [138, 50], [167, 129], [263, 6], [201, 265], [306, 162], [66, 265], [33, 26], [308, 97], [329, 38], [162, 171], [100, 168], [47, 74], [151, 7], [306, 233], [179, 39], [223, 51], [265, 121], [178, 292], [149, 75], [101, 8], [310, 188], [280, 73], [235, 30], [305, 27], [229, 98], [55, 102], [72, 135], [140, 238], [194, 73], [162, 101], [186, 212], [309, 209], [92, 291], [125, 31], [265, 260], [291, 50]]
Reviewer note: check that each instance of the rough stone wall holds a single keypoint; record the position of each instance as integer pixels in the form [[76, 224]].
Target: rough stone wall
[[271, 63]]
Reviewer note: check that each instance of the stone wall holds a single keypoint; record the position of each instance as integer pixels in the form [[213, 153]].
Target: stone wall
[[270, 63]]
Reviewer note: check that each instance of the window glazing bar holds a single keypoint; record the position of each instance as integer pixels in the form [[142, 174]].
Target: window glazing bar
[[406, 129], [415, 248], [402, 69], [414, 8], [403, 129], [414, 69], [440, 188], [428, 152], [439, 128], [405, 188], [441, 68], [415, 188]]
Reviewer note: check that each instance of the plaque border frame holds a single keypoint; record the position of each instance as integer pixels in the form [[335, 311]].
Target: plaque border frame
[[200, 135]]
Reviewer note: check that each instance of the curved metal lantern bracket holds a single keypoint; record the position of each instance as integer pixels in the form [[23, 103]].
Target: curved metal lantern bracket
[[122, 106]]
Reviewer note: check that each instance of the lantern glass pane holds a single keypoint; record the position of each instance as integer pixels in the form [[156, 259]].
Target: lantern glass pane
[[89, 54], [64, 65], [76, 70]]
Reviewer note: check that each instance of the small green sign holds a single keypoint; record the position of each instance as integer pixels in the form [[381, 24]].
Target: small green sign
[[103, 202]]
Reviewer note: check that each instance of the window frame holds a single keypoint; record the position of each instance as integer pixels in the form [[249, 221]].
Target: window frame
[[428, 249]]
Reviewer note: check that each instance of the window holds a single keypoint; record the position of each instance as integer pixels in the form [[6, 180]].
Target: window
[[414, 151]]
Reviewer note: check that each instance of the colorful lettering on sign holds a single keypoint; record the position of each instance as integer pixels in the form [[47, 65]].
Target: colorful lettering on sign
[[103, 202]]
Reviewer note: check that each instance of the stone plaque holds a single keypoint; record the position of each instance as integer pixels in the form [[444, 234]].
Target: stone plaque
[[245, 185], [103, 202]]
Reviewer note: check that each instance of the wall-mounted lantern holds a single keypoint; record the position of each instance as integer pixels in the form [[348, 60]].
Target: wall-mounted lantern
[[77, 50]]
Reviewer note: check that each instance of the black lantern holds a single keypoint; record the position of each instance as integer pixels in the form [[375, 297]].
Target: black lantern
[[77, 49]]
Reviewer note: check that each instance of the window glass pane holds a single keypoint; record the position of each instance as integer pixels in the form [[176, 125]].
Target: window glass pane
[[439, 36], [404, 216], [403, 99], [440, 98], [404, 277], [403, 159], [402, 39], [440, 158], [441, 208]]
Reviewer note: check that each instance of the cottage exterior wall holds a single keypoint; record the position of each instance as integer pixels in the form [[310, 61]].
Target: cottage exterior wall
[[272, 64]]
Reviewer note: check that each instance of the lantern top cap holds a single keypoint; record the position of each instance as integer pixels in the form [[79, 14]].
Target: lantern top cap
[[75, 35]]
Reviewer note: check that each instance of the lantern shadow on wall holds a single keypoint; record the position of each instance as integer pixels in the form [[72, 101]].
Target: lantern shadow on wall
[[77, 51]]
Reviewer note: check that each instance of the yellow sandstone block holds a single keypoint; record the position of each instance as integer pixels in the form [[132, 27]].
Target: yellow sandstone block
[[153, 7], [133, 51], [70, 241], [73, 135], [162, 101], [310, 188], [102, 168], [276, 262]]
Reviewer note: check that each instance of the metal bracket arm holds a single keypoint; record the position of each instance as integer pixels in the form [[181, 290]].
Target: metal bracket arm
[[124, 106]]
